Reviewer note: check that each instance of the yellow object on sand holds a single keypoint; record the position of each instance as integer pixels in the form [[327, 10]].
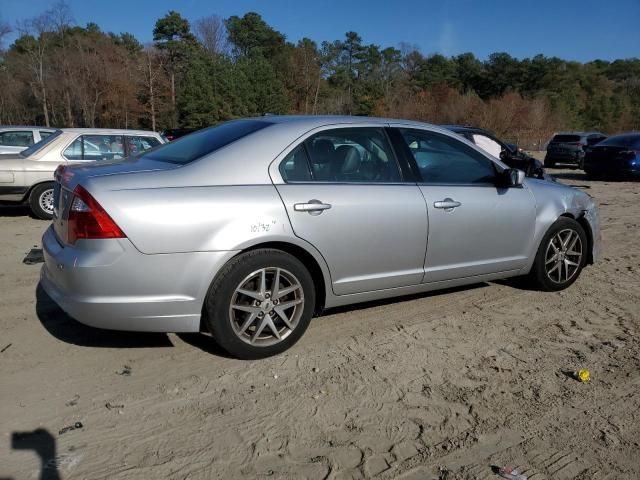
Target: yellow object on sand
[[584, 375]]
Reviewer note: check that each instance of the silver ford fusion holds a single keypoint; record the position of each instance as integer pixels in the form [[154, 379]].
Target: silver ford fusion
[[251, 228]]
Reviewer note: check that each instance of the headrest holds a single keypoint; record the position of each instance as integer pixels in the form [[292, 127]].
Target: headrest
[[322, 150]]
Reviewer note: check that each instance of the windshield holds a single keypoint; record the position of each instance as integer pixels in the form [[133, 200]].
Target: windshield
[[627, 141], [37, 146], [196, 145]]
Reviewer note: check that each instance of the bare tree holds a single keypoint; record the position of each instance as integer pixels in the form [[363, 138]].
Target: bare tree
[[212, 34], [151, 69], [38, 35], [62, 19], [5, 29]]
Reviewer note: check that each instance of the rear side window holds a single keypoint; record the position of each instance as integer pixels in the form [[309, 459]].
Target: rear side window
[[96, 147], [628, 141], [45, 133], [295, 166], [137, 145], [361, 155], [16, 138], [566, 138], [192, 147]]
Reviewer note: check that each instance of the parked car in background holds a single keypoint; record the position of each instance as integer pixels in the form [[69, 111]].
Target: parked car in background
[[27, 177], [14, 139], [617, 156], [510, 154], [249, 228], [175, 133], [569, 148]]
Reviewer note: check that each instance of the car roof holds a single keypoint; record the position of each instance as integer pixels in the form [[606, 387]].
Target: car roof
[[115, 131], [465, 128], [313, 121], [21, 127], [579, 133]]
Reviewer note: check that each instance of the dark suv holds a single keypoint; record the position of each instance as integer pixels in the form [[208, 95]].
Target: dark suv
[[510, 154], [569, 148]]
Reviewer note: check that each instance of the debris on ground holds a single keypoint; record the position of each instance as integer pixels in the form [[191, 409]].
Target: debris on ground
[[583, 375], [74, 401], [510, 473], [34, 256], [5, 347], [126, 371], [75, 426], [111, 406]]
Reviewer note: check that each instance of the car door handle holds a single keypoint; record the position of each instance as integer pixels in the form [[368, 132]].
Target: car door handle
[[448, 204], [312, 206]]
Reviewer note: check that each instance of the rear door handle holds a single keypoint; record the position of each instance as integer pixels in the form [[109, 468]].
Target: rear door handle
[[448, 204], [314, 207]]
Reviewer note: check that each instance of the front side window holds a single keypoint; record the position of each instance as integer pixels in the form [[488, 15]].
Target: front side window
[[96, 147], [361, 155], [16, 138], [487, 144], [444, 160]]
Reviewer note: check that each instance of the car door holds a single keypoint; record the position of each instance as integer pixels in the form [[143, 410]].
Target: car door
[[475, 227], [345, 195]]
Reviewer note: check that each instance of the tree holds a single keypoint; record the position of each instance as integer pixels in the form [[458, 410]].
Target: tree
[[173, 37], [212, 34], [251, 36]]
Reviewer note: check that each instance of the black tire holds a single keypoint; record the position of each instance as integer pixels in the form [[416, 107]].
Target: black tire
[[538, 277], [591, 175], [37, 198], [218, 312], [548, 163]]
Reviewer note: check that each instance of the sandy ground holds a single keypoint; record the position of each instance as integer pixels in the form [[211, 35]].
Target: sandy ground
[[437, 386]]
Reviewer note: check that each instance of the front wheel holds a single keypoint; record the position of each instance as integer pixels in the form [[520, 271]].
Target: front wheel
[[41, 201], [260, 303], [561, 256]]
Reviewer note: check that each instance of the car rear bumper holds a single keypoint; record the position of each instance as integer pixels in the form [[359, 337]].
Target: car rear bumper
[[109, 284], [565, 157]]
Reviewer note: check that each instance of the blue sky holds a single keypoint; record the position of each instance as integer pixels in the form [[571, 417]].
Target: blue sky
[[575, 30]]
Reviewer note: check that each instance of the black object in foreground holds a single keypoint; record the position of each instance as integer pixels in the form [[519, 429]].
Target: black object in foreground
[[34, 256]]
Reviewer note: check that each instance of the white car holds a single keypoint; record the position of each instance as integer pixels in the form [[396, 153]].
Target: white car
[[27, 176], [15, 139]]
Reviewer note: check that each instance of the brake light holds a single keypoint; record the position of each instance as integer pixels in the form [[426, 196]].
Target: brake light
[[87, 219]]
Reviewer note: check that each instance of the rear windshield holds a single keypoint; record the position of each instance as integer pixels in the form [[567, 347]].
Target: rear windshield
[[627, 141], [27, 152], [566, 138], [196, 145]]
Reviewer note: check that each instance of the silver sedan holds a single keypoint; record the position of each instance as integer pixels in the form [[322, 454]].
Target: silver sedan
[[249, 229]]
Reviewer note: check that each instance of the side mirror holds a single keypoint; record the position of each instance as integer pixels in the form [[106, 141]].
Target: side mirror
[[512, 177], [504, 154]]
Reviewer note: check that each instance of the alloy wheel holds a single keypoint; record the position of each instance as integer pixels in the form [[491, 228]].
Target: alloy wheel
[[46, 201], [266, 306], [563, 256]]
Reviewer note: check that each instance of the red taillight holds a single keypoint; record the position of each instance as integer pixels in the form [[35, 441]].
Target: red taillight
[[87, 219]]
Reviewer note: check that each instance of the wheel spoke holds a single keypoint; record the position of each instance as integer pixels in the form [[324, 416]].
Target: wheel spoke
[[246, 308], [272, 326], [260, 328], [249, 293], [554, 258], [263, 282], [247, 323], [286, 291], [290, 304], [550, 271], [569, 262], [573, 242], [276, 285], [283, 316]]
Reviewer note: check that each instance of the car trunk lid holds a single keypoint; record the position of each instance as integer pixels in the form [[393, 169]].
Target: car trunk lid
[[67, 178]]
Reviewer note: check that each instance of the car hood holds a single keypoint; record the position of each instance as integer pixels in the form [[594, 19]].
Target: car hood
[[566, 198]]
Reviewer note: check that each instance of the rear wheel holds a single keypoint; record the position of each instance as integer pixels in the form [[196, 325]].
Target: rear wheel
[[41, 201], [561, 256], [260, 303]]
